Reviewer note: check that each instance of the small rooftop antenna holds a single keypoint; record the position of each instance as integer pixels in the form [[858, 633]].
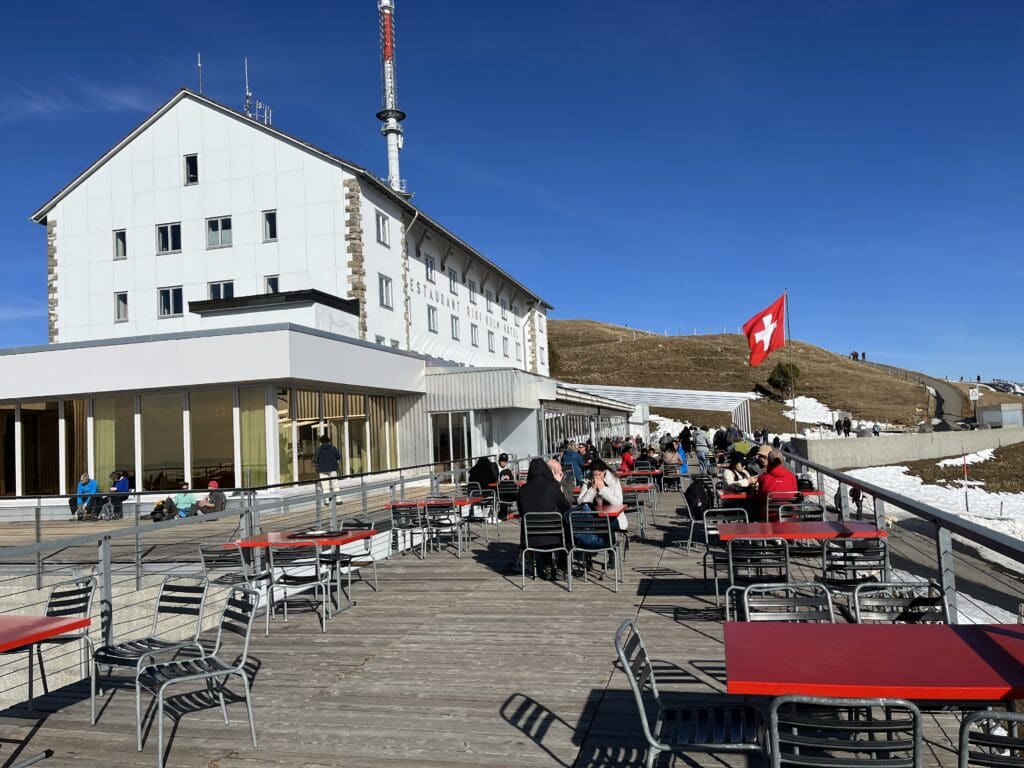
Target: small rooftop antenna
[[255, 109], [199, 66]]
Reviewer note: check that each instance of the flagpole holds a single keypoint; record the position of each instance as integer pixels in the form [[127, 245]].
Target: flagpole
[[789, 343]]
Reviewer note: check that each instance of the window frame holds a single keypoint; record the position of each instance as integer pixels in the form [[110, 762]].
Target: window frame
[[471, 289], [269, 212], [385, 290], [185, 159], [489, 298], [159, 303], [474, 334], [266, 284], [117, 307], [380, 341], [170, 237], [431, 318], [490, 342], [519, 352], [220, 285], [383, 228], [430, 269], [220, 232], [124, 233], [394, 343], [453, 281], [504, 346], [455, 328]]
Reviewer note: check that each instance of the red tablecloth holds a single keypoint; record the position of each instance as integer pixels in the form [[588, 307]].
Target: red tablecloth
[[284, 539], [19, 631], [793, 531]]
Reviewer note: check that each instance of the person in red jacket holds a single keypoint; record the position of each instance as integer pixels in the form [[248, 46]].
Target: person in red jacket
[[775, 479], [627, 461]]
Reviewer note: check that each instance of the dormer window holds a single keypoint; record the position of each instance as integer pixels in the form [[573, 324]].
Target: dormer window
[[191, 169]]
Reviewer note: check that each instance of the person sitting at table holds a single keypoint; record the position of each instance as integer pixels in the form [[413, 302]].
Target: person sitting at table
[[671, 456], [504, 470], [653, 458], [86, 491], [183, 502], [119, 491], [735, 475], [626, 464], [484, 473], [757, 460], [572, 457], [776, 479], [541, 493], [214, 501], [604, 486]]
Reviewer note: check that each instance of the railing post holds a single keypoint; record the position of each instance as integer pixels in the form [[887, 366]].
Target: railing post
[[947, 572], [334, 510], [844, 503], [319, 502], [362, 494], [879, 513], [138, 556], [106, 592], [39, 538]]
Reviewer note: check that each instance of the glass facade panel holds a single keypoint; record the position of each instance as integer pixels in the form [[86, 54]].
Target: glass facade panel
[[441, 433], [284, 433], [163, 442], [76, 460], [307, 413], [253, 428], [460, 439], [334, 418], [7, 481], [40, 464], [113, 431], [393, 432], [213, 453], [379, 417], [357, 448]]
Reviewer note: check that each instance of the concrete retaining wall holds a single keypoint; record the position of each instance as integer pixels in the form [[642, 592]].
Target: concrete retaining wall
[[853, 452]]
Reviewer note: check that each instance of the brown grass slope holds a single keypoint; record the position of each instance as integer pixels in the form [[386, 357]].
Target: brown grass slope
[[588, 352], [1003, 473]]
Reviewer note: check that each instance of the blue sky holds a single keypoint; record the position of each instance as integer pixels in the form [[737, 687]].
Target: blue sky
[[670, 165]]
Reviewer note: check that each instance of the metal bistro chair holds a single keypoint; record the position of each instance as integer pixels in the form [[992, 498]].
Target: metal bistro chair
[[911, 602], [846, 564], [802, 513], [991, 739], [544, 533], [754, 561], [715, 553], [229, 564], [773, 501], [681, 730], [793, 602], [508, 497], [68, 599], [352, 562], [590, 524], [409, 520], [483, 513], [443, 517], [214, 670], [179, 604], [670, 475], [299, 568], [812, 732]]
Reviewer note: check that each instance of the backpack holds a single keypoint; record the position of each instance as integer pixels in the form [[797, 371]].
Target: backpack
[[804, 483], [698, 499]]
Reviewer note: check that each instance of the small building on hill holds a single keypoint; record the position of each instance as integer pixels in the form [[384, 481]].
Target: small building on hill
[[1001, 415]]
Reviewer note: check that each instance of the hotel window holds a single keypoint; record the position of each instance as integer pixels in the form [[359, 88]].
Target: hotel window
[[490, 341], [453, 281], [471, 289], [474, 334], [271, 284], [428, 263], [169, 301], [515, 310], [394, 343], [383, 236], [519, 352], [432, 319], [380, 340], [504, 310], [455, 328], [120, 245], [384, 288], [218, 232], [490, 300], [121, 307], [269, 226], [191, 169], [224, 289], [504, 346], [168, 238]]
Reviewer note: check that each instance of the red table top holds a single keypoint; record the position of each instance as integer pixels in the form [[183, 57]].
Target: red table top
[[19, 631], [935, 662], [631, 488], [282, 539], [792, 531], [647, 472], [736, 495], [458, 501], [610, 510], [520, 483]]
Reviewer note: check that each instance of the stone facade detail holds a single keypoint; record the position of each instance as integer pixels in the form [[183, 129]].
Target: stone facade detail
[[51, 279], [354, 249], [405, 286], [531, 340]]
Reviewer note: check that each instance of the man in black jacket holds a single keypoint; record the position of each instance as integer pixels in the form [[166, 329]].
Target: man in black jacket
[[541, 493]]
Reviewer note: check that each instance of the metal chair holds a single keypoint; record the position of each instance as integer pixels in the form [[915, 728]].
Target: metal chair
[[67, 599], [715, 553], [682, 730], [214, 669], [754, 561], [229, 563], [590, 524], [543, 533], [802, 513], [409, 520], [812, 732], [442, 516], [773, 501], [508, 497], [991, 739], [488, 508], [793, 602], [180, 603], [670, 475], [299, 568], [911, 602], [350, 562], [846, 564]]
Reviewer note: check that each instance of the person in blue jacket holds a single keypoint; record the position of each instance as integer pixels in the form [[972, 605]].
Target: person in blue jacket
[[572, 456], [85, 490]]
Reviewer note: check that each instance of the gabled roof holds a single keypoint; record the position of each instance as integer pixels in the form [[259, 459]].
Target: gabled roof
[[39, 216]]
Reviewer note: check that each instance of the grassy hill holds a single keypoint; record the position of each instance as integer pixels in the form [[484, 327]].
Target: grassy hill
[[589, 352]]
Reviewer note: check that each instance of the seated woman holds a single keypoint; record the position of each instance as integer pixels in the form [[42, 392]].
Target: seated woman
[[735, 475], [627, 462]]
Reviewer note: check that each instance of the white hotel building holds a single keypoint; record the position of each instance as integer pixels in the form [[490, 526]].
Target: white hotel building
[[222, 293]]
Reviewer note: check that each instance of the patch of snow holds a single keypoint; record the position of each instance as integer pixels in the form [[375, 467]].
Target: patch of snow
[[931, 391], [810, 411], [971, 458]]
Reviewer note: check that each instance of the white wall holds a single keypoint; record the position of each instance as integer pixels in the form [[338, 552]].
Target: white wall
[[317, 316], [242, 172]]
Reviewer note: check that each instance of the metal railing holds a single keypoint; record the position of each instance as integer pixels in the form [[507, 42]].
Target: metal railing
[[944, 525]]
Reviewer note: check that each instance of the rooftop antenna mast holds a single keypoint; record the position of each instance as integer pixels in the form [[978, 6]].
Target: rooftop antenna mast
[[390, 115], [199, 66], [255, 109]]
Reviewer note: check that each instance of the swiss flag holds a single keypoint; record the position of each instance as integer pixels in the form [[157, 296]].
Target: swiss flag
[[765, 331]]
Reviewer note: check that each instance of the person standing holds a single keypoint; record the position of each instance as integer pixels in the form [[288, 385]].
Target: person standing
[[846, 426], [326, 460], [839, 426], [702, 444], [686, 440]]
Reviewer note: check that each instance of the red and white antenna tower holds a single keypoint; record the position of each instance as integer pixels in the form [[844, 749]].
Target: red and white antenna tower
[[390, 115]]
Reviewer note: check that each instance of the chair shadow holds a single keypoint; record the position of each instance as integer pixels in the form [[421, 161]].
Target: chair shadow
[[34, 722]]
